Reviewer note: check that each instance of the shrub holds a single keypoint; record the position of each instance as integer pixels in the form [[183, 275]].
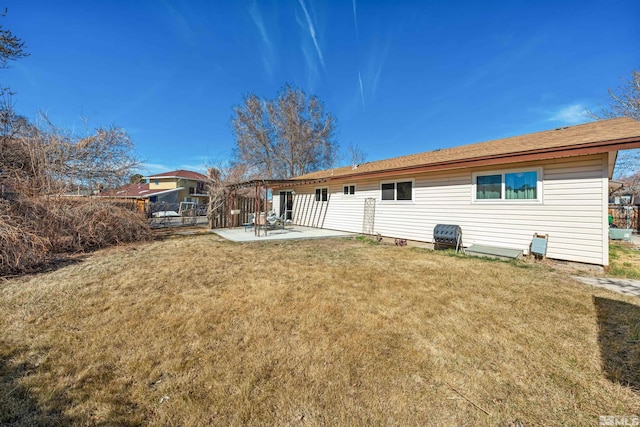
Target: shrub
[[33, 229], [20, 250]]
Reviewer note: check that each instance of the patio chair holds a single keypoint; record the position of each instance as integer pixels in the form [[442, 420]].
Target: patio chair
[[251, 221], [273, 220]]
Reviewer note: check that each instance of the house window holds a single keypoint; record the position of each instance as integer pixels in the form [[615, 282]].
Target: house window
[[512, 185], [401, 190], [156, 181], [521, 185], [322, 194], [489, 187], [349, 189], [192, 190]]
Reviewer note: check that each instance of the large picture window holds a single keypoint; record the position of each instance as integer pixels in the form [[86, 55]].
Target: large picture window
[[512, 185], [401, 190]]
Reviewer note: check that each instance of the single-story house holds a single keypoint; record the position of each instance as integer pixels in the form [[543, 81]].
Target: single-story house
[[499, 192]]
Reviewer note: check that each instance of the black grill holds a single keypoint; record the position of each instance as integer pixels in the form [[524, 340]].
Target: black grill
[[447, 234]]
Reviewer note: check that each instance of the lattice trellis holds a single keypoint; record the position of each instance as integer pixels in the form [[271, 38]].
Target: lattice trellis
[[369, 216]]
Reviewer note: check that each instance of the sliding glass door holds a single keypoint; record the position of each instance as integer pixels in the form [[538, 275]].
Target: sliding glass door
[[286, 204]]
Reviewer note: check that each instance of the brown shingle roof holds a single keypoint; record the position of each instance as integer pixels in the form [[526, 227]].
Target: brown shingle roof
[[180, 173], [136, 191], [547, 142]]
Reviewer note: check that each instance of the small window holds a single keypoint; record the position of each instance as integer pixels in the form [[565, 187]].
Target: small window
[[192, 190], [404, 190], [515, 185], [397, 190], [349, 189], [322, 194], [389, 191], [156, 181]]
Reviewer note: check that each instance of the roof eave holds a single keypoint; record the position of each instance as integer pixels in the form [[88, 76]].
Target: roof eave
[[174, 177], [264, 183], [524, 156], [143, 196]]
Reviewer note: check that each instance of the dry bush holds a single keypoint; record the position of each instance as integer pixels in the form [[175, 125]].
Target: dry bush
[[33, 228], [20, 250], [100, 224], [82, 225]]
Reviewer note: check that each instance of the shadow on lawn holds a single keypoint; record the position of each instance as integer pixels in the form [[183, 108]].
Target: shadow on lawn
[[18, 405], [619, 339], [54, 263]]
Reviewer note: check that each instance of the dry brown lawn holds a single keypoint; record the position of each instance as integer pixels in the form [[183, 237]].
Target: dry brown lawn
[[199, 331], [624, 260]]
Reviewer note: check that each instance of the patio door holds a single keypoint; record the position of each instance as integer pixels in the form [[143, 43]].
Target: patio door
[[286, 204]]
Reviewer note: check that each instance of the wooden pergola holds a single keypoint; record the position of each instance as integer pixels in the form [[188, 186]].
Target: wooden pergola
[[260, 187]]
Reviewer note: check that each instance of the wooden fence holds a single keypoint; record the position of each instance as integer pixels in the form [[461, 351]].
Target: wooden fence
[[222, 218], [625, 216]]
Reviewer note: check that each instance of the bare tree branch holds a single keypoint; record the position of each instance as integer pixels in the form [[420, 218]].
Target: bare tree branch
[[624, 102], [285, 137], [11, 47], [356, 155], [42, 159], [219, 178]]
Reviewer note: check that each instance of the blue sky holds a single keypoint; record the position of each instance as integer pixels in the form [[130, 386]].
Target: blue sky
[[401, 77]]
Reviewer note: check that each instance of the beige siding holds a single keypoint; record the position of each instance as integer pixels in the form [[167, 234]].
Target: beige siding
[[162, 184], [170, 183], [574, 191]]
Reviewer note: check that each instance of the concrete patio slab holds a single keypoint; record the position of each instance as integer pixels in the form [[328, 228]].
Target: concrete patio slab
[[623, 286], [240, 234]]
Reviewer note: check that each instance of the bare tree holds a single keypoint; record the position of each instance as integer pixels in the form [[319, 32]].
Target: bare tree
[[254, 136], [11, 154], [104, 159], [11, 47], [285, 137], [219, 179], [624, 102], [11, 124], [356, 155], [42, 159], [304, 133], [136, 178]]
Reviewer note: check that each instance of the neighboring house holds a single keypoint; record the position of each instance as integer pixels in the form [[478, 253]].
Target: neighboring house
[[499, 192], [168, 188], [178, 186], [627, 192]]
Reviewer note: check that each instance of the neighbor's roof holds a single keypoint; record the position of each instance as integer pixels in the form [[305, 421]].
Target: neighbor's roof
[[590, 138], [180, 173], [136, 191]]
